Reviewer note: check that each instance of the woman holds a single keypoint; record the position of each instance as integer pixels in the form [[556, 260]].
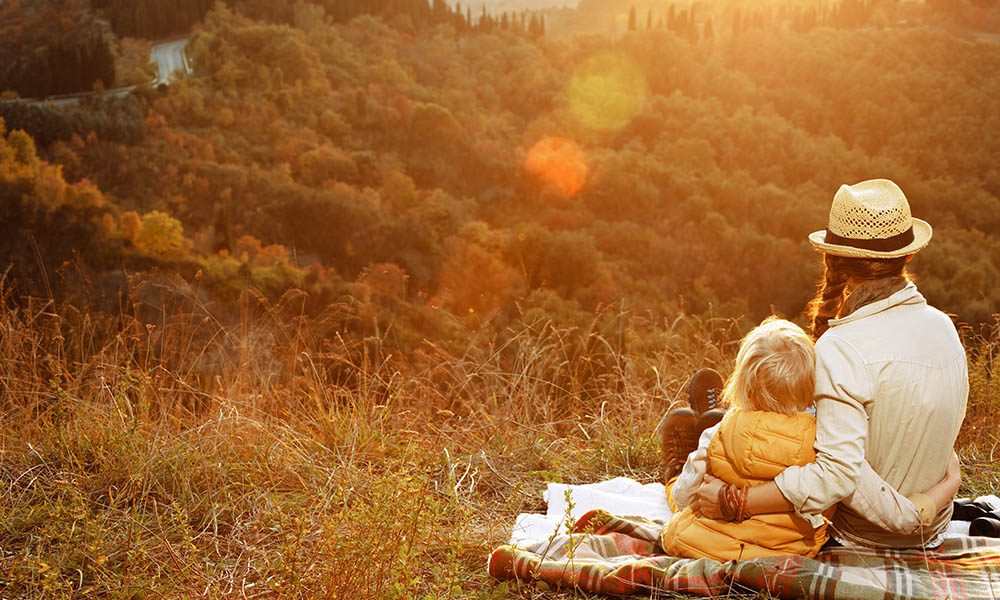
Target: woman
[[891, 376]]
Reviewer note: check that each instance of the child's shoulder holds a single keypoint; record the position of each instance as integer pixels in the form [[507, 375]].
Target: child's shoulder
[[742, 418]]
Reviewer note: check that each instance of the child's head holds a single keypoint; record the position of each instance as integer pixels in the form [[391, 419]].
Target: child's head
[[774, 369]]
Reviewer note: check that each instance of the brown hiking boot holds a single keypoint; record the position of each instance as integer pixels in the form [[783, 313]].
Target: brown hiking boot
[[678, 438], [705, 391], [709, 419]]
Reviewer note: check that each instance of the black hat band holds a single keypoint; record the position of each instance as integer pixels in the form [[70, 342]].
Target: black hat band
[[895, 242]]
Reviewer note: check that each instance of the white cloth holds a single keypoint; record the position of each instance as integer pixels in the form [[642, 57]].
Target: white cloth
[[621, 496]]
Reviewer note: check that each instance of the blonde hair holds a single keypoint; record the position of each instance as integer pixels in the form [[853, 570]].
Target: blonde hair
[[774, 369]]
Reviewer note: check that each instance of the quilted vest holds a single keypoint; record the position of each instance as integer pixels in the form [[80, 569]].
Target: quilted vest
[[750, 448]]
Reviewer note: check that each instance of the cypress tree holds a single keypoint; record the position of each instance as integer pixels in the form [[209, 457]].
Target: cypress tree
[[631, 19]]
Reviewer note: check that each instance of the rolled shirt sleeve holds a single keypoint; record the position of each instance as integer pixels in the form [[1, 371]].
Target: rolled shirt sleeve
[[883, 505], [843, 391]]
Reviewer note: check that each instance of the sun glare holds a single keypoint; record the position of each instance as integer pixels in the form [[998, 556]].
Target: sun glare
[[606, 91], [558, 162]]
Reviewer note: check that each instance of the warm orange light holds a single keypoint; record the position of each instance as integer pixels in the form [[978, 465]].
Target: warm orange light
[[558, 162]]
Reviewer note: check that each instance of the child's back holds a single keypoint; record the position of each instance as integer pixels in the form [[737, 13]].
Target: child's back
[[764, 432], [750, 448]]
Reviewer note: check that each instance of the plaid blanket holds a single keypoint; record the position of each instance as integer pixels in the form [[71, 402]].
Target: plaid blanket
[[613, 555]]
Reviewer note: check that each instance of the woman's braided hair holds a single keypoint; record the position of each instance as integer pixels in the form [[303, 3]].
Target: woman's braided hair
[[850, 283]]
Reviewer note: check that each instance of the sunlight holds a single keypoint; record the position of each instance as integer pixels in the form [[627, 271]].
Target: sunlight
[[606, 91], [560, 163], [312, 298]]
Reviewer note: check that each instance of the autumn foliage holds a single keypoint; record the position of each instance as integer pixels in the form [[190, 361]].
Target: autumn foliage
[[320, 319]]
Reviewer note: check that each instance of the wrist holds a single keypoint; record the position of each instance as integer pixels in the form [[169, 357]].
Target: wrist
[[733, 502], [926, 508]]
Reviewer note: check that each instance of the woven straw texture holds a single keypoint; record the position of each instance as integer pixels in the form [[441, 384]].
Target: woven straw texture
[[879, 218], [871, 210]]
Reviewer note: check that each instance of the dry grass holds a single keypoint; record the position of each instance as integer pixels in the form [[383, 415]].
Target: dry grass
[[178, 456]]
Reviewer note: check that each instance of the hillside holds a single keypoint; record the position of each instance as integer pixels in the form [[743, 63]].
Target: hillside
[[698, 153], [320, 319]]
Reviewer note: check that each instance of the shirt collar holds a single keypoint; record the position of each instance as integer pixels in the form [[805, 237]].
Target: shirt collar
[[907, 295]]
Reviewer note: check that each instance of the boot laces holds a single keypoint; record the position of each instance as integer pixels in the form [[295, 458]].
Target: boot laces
[[711, 394]]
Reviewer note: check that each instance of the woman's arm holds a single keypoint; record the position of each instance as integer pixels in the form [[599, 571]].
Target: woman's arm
[[945, 491], [877, 500], [761, 499], [883, 505]]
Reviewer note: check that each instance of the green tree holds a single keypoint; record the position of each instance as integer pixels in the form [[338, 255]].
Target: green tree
[[160, 235]]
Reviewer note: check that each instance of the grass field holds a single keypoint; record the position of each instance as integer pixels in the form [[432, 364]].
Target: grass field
[[183, 457]]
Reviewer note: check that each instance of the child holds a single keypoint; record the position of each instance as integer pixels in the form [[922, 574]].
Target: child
[[766, 430]]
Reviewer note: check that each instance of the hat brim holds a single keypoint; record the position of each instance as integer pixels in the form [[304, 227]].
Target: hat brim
[[922, 233]]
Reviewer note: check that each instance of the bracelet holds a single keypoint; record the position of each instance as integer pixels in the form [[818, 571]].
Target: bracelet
[[744, 497], [733, 502], [724, 507]]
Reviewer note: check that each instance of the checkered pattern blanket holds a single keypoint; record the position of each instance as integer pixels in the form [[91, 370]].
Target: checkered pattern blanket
[[614, 555]]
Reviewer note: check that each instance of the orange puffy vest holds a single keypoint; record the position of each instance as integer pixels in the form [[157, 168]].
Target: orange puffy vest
[[750, 448]]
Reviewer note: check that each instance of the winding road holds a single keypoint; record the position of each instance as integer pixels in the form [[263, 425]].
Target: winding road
[[170, 58], [170, 61]]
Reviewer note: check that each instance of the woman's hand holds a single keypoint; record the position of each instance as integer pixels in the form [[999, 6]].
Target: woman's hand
[[943, 492], [706, 499]]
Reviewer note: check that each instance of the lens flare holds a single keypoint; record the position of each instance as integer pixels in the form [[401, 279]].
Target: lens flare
[[606, 91], [558, 162]]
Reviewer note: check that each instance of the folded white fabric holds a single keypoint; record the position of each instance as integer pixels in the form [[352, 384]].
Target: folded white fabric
[[621, 496]]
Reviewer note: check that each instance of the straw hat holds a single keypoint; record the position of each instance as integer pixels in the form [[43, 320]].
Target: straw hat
[[871, 219]]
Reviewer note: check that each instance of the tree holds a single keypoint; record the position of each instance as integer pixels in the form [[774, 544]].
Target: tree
[[631, 19], [160, 235], [326, 163]]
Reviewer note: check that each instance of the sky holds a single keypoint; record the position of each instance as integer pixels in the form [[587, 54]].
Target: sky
[[514, 5]]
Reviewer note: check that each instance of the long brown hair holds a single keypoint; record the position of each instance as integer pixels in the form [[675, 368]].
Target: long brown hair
[[850, 283]]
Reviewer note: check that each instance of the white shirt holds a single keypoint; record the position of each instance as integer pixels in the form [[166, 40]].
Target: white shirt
[[891, 388]]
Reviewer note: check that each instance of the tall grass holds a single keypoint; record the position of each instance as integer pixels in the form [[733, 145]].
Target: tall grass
[[166, 452]]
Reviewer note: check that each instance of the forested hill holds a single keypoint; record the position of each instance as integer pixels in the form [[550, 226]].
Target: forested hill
[[52, 47], [420, 178]]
